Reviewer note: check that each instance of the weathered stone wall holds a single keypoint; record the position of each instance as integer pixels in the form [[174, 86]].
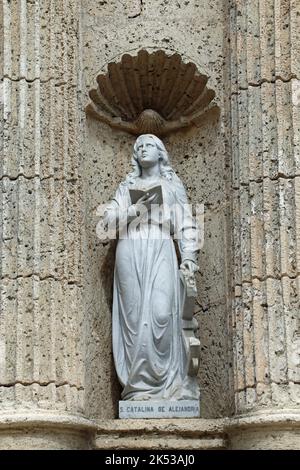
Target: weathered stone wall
[[57, 166], [197, 31]]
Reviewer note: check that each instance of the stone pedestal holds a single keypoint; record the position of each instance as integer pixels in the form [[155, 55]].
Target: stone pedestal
[[157, 434]]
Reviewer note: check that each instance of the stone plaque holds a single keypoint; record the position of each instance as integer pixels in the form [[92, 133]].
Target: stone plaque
[[159, 409]]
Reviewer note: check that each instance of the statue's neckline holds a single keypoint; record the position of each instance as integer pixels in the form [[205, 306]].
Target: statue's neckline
[[146, 184]]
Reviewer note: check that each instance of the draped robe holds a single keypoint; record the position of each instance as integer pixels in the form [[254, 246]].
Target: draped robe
[[148, 345]]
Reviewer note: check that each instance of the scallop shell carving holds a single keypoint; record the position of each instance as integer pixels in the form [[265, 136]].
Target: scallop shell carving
[[150, 93]]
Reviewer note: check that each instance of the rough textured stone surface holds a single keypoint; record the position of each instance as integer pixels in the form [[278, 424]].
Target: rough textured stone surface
[[265, 121], [265, 430], [57, 166], [161, 434], [212, 288], [170, 27], [41, 430], [41, 324]]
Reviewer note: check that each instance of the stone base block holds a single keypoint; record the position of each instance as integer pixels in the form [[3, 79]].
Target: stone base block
[[265, 430], [268, 429], [155, 434], [43, 439], [36, 430], [266, 439], [159, 409]]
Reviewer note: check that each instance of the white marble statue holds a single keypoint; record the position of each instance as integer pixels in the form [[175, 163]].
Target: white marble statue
[[149, 346]]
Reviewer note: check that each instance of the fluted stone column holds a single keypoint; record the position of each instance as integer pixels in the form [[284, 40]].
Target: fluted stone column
[[41, 322], [265, 113]]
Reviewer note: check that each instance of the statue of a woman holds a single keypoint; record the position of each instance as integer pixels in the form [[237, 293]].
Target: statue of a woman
[[148, 344]]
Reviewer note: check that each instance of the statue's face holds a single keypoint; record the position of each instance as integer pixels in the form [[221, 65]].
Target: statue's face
[[147, 152]]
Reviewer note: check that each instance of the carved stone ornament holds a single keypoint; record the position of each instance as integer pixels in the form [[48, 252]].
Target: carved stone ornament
[[150, 93]]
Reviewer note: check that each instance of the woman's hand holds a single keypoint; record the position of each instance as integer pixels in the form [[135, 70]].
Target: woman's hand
[[189, 265], [144, 203], [142, 206]]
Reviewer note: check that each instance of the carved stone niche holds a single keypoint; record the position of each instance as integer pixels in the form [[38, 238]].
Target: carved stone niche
[[151, 93]]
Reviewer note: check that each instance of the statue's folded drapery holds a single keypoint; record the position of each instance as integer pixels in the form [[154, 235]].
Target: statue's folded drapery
[[148, 345]]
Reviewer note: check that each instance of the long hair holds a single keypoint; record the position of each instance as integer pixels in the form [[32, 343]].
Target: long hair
[[165, 169]]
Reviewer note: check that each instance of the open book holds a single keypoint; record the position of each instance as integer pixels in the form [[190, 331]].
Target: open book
[[136, 194]]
